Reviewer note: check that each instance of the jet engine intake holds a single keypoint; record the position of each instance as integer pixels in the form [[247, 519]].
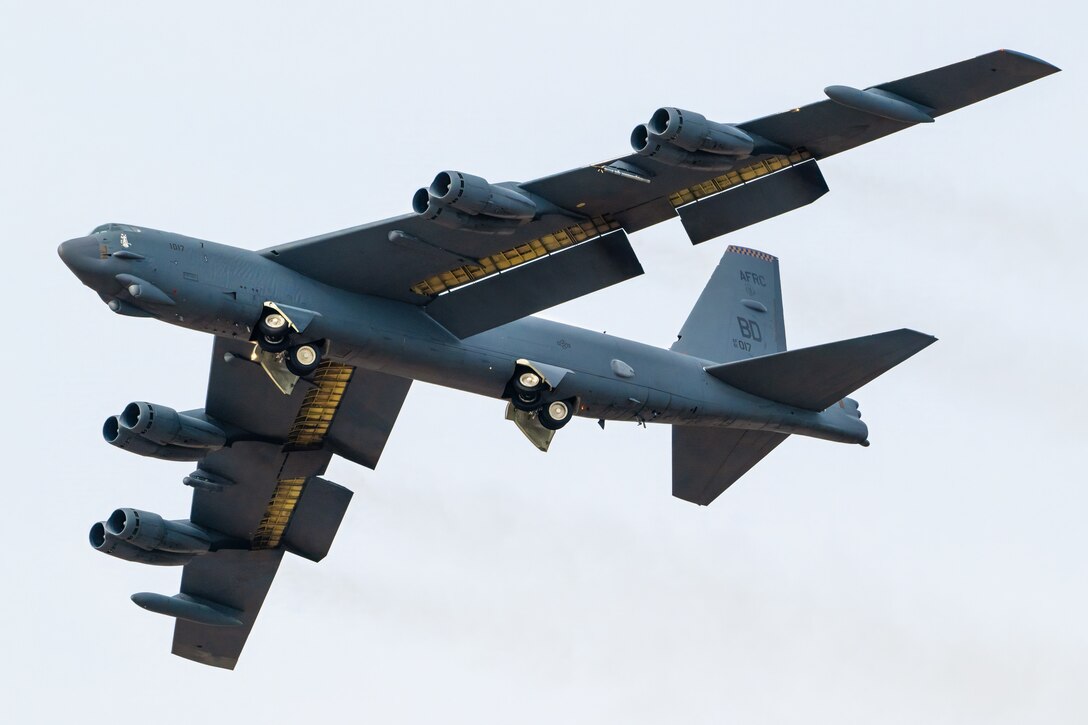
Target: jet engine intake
[[649, 146], [107, 543], [166, 426], [151, 532], [692, 132], [117, 435], [684, 138], [458, 200]]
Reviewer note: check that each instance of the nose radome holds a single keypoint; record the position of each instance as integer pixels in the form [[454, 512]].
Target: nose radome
[[77, 253]]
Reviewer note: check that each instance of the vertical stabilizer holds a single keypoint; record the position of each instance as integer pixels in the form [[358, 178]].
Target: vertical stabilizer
[[739, 314]]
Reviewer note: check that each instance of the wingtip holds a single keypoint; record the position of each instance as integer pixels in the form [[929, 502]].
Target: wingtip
[[929, 339], [923, 339], [1053, 68], [204, 658]]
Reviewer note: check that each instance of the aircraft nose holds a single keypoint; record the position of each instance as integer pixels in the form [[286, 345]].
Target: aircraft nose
[[79, 253], [84, 258]]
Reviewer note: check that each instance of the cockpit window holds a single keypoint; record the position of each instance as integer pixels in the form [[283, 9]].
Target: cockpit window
[[112, 227]]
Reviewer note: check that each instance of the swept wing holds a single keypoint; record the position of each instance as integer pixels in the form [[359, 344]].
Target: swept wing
[[418, 259], [264, 493]]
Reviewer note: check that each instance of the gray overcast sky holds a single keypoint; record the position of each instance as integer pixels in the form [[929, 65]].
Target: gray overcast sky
[[935, 577]]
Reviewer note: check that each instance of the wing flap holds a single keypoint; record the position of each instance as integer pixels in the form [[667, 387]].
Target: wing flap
[[530, 288], [254, 469], [365, 419], [391, 258], [755, 201], [321, 508]]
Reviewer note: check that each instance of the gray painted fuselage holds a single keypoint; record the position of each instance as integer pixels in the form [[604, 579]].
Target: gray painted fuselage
[[221, 290]]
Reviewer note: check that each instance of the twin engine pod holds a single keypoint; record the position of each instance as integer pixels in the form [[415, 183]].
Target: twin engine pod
[[145, 537], [462, 201], [161, 432], [677, 137]]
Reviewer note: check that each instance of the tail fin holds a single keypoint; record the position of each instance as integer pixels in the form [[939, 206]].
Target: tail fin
[[706, 461], [739, 313], [814, 378]]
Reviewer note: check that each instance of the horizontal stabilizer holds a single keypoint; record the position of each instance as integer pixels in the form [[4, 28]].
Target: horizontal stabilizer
[[706, 461], [814, 378]]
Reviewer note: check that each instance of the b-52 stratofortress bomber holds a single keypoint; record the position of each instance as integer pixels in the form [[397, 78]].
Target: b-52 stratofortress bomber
[[318, 341]]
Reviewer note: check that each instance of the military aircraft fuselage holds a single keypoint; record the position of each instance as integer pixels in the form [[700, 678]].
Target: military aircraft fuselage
[[219, 289]]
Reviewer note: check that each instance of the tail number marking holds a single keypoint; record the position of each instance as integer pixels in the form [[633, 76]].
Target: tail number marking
[[749, 329]]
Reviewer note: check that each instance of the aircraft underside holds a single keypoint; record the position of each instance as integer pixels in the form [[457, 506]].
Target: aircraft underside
[[317, 341]]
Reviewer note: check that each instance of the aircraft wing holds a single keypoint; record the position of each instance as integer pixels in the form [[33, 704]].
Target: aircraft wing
[[828, 127], [265, 492], [429, 258]]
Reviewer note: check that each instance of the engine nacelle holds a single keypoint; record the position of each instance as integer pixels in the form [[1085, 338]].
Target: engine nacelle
[[117, 435], [692, 132], [685, 138], [102, 540], [166, 426], [646, 144], [472, 196], [151, 532]]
